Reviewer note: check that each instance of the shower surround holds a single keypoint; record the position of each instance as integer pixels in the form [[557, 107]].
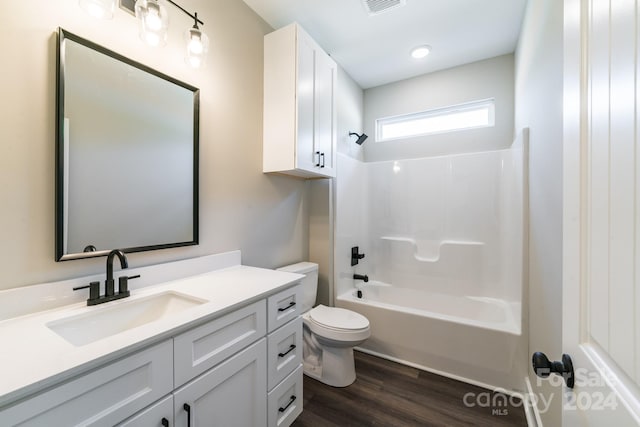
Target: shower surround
[[444, 243]]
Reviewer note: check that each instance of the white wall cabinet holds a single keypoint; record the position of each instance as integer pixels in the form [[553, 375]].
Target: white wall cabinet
[[213, 374], [300, 132]]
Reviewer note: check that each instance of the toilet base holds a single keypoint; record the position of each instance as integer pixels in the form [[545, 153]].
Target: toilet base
[[337, 367]]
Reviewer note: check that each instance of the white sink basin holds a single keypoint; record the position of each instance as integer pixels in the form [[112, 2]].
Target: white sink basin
[[108, 320]]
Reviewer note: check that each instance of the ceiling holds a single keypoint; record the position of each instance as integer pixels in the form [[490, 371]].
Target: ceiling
[[375, 50]]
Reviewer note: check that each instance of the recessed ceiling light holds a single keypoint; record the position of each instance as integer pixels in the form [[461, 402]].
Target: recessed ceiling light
[[421, 51]]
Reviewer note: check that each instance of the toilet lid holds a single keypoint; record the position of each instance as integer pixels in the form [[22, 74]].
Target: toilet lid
[[338, 318]]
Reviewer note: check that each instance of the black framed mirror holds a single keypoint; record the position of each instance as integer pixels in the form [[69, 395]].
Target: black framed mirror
[[126, 154]]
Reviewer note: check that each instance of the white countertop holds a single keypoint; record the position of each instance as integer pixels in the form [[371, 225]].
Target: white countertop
[[33, 356]]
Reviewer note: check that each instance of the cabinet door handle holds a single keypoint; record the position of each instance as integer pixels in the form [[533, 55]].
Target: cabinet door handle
[[291, 348], [291, 400], [322, 155], [291, 304], [164, 422], [318, 154], [187, 409]]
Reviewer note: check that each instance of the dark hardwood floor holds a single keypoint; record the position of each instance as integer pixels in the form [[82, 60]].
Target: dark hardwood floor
[[390, 394]]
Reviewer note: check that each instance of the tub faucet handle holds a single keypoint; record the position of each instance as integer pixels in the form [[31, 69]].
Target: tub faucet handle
[[355, 256]]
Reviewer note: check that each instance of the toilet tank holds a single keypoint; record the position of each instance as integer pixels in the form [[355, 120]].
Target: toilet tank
[[309, 283]]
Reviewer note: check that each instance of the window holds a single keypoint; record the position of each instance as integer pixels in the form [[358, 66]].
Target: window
[[471, 115]]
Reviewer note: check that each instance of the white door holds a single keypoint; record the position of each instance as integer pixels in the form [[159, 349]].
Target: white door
[[601, 258]]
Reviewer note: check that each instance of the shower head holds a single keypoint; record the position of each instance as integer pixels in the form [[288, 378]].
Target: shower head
[[361, 138]]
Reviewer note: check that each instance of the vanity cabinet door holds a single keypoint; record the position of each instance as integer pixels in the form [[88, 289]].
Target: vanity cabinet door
[[233, 394], [103, 397]]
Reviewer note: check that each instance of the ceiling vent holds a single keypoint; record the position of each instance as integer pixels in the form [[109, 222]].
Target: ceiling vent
[[378, 6]]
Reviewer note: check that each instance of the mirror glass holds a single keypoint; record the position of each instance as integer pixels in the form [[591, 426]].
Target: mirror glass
[[126, 154]]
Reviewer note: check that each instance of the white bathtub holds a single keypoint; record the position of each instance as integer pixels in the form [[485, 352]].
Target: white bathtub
[[475, 339]]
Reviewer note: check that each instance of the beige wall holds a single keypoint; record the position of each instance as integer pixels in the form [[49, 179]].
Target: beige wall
[[491, 78], [539, 107], [240, 208]]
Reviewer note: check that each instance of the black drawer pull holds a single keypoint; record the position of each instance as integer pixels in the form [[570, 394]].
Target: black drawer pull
[[291, 304], [164, 422], [291, 348], [187, 409], [292, 399]]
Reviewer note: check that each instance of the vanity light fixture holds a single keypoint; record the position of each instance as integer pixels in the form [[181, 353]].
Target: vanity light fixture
[[154, 24], [101, 9], [421, 51]]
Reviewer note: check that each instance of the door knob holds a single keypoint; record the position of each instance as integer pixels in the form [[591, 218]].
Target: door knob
[[543, 367]]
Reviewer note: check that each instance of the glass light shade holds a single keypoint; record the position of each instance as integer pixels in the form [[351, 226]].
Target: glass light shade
[[101, 9], [154, 22], [197, 47]]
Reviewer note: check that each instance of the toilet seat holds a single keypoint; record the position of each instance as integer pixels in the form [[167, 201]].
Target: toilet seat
[[338, 318], [337, 324]]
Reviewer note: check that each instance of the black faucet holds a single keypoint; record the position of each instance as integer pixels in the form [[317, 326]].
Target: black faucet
[[109, 292], [108, 284], [361, 277]]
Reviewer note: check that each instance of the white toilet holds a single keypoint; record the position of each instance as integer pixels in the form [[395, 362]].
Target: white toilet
[[330, 333]]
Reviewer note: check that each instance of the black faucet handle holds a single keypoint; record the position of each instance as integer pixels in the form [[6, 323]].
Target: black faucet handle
[[94, 291], [355, 256], [123, 284]]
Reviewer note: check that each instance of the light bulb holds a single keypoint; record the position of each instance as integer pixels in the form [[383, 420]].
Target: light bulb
[[195, 45], [152, 21]]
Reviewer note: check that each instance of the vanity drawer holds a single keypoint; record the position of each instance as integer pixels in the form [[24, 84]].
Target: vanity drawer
[[284, 306], [284, 402], [202, 348], [284, 351], [103, 397]]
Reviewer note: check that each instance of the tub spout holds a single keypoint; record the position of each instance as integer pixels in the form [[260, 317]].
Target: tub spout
[[361, 277]]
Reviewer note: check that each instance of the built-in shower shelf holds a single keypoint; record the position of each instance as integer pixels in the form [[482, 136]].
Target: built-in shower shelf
[[437, 247]]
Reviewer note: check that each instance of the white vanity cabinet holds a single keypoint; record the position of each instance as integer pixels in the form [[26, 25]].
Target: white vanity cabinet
[[222, 372], [230, 390], [284, 357], [299, 136], [103, 397]]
